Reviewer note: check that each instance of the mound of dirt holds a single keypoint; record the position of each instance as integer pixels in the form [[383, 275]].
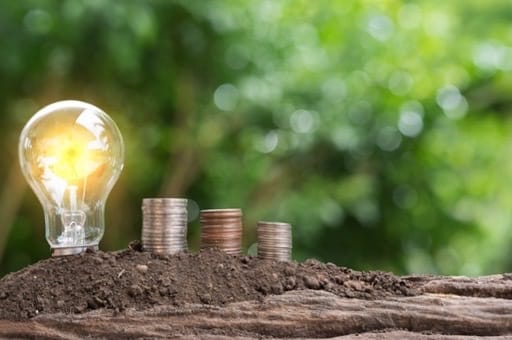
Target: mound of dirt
[[133, 278]]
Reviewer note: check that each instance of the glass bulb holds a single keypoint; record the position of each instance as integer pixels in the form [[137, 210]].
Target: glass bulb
[[71, 154]]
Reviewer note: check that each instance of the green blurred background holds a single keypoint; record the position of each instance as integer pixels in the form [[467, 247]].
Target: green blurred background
[[381, 130]]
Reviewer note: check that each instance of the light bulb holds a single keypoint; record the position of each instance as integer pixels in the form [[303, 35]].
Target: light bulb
[[71, 154]]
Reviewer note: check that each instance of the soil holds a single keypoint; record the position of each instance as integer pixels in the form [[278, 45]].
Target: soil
[[135, 279]]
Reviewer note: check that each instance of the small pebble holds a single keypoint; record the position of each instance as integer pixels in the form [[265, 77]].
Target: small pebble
[[312, 263], [80, 308], [289, 271], [323, 279], [263, 288], [91, 304], [142, 268], [311, 282], [340, 279], [355, 285], [277, 288], [135, 245], [134, 290], [331, 265], [40, 301], [205, 298], [99, 301], [290, 283]]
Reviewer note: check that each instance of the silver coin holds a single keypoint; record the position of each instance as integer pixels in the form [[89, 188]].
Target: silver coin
[[164, 224], [274, 240], [164, 200], [162, 242], [160, 224]]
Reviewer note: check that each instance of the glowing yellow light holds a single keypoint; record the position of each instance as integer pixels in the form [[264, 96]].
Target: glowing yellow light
[[71, 154]]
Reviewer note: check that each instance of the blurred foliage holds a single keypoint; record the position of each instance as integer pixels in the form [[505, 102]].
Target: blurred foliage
[[380, 129]]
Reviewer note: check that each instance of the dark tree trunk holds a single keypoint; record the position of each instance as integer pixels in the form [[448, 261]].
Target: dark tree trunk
[[448, 306]]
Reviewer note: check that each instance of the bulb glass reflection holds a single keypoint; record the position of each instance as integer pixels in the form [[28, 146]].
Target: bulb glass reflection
[[71, 154]]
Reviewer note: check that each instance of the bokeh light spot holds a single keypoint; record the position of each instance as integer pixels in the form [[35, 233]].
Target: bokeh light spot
[[38, 21], [490, 56], [410, 123], [302, 121], [388, 138], [268, 143], [380, 27], [226, 97], [192, 210], [452, 102]]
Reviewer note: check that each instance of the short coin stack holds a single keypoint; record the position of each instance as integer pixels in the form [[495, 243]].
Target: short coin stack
[[274, 241], [222, 228], [164, 225]]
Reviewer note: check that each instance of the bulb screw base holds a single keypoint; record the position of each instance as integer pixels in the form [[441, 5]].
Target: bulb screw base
[[72, 250]]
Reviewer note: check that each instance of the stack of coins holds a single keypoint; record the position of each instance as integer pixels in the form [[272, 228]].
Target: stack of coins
[[274, 241], [222, 228], [164, 225]]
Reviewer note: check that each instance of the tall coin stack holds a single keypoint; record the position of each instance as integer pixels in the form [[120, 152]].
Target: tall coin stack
[[222, 228], [164, 225], [274, 241]]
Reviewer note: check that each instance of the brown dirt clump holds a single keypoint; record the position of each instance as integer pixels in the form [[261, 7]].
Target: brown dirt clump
[[136, 279]]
